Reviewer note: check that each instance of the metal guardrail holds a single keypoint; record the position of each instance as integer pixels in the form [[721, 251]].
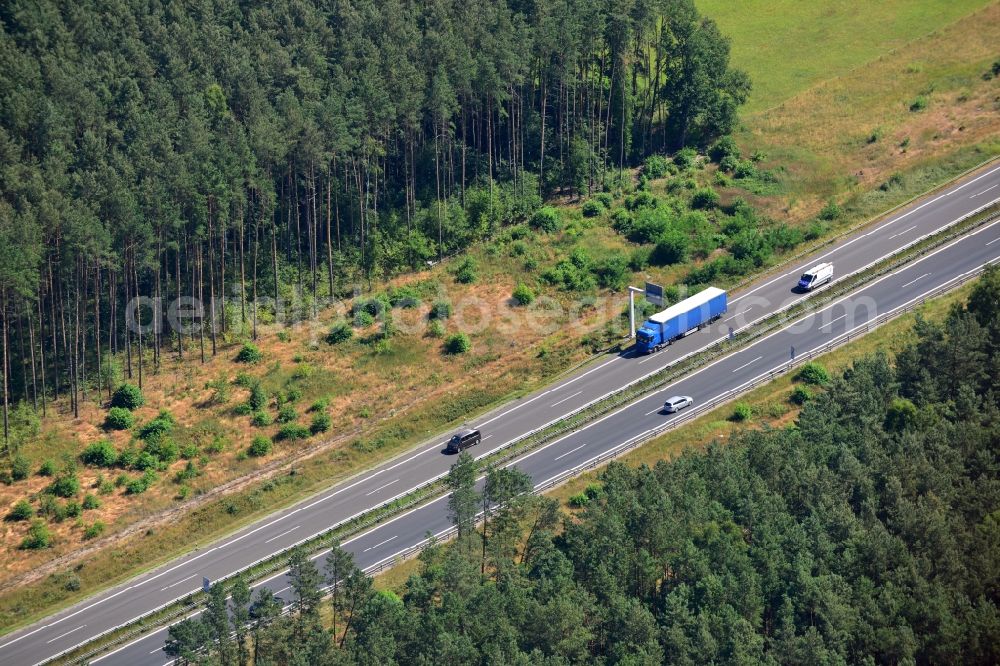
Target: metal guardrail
[[608, 401]]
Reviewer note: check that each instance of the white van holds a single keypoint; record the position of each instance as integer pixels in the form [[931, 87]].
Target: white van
[[815, 276]]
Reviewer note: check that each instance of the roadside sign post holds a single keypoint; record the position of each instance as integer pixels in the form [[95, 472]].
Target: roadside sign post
[[654, 294], [632, 291]]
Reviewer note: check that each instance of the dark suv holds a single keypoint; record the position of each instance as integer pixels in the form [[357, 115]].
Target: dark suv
[[463, 440]]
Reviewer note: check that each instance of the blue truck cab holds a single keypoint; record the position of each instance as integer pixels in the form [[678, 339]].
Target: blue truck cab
[[676, 321]]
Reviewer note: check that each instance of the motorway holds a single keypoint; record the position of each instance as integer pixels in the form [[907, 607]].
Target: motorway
[[119, 605]]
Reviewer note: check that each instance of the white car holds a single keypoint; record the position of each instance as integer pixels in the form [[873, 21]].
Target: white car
[[815, 276], [677, 403]]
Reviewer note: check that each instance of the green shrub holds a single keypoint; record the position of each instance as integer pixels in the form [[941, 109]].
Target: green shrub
[[706, 197], [815, 230], [594, 491], [655, 167], [641, 200], [100, 454], [48, 505], [20, 468], [38, 536], [435, 329], [258, 398], [813, 373], [220, 391], [158, 428], [242, 409], [800, 396], [605, 199], [293, 394], [287, 414], [519, 232], [745, 169], [831, 211], [90, 502], [440, 310], [165, 449], [375, 306], [22, 510], [672, 248], [729, 163], [723, 148], [73, 509], [685, 157], [466, 271], [319, 405], [127, 396], [146, 460], [119, 418], [94, 530], [189, 472], [339, 333], [363, 319], [638, 260], [741, 412], [106, 487], [404, 296], [579, 501], [261, 419], [321, 423], [189, 451], [457, 343], [259, 447], [546, 219], [901, 414], [591, 208], [65, 485], [783, 237], [141, 484], [919, 104], [245, 380], [249, 353], [218, 445], [895, 181], [128, 457], [523, 294], [292, 431]]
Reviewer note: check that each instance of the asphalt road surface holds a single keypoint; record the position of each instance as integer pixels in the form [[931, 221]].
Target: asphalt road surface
[[117, 606]]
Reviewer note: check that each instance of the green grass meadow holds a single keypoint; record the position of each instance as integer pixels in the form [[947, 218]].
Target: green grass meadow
[[789, 45]]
